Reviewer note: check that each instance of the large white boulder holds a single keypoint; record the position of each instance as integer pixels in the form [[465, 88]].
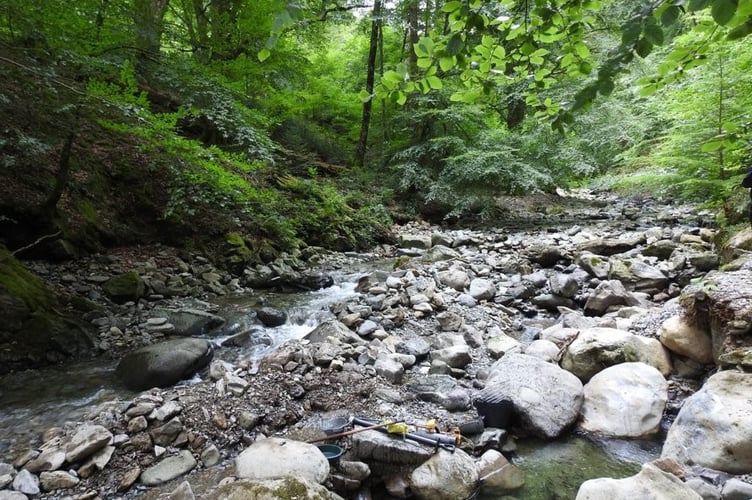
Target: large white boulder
[[683, 337], [597, 348], [276, 458], [650, 483], [625, 400], [445, 475], [713, 428]]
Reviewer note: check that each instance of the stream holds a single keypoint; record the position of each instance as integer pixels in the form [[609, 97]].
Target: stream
[[35, 400]]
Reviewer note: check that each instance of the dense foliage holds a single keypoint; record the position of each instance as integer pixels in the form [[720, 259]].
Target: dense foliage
[[299, 122]]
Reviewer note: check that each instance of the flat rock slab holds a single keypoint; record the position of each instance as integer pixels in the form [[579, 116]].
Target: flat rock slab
[[169, 468]]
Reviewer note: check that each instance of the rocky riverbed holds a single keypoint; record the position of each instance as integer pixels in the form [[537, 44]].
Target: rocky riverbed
[[618, 327]]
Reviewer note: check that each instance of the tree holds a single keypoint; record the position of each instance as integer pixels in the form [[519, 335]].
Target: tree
[[360, 151], [148, 22]]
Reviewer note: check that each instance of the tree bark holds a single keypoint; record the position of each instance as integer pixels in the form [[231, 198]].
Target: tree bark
[[360, 151], [148, 22]]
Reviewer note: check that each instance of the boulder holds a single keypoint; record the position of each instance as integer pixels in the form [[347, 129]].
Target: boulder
[[686, 338], [612, 246], [454, 278], [276, 458], [271, 317], [190, 322], [635, 274], [546, 399], [482, 289], [336, 331], [126, 287], [651, 483], [445, 475], [608, 294], [713, 427], [374, 446], [87, 440], [273, 489], [165, 363], [625, 400], [597, 348], [169, 468]]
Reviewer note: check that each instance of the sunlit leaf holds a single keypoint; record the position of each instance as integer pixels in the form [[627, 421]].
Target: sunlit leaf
[[264, 54]]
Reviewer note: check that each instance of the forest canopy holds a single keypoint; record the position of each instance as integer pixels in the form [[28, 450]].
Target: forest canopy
[[309, 118]]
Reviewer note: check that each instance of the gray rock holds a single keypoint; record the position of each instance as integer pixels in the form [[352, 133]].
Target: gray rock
[[49, 459], [439, 253], [12, 495], [706, 490], [440, 389], [210, 456], [546, 399], [273, 489], [650, 482], [271, 317], [456, 356], [336, 330], [182, 492], [551, 302], [57, 480], [276, 458], [415, 346], [7, 472], [97, 461], [374, 446], [713, 426], [736, 489], [164, 364], [169, 468], [124, 287], [415, 241], [26, 483], [482, 289], [87, 440], [445, 475], [190, 322], [390, 369], [454, 278], [449, 321], [501, 344], [563, 285], [606, 295], [166, 411], [165, 434], [367, 328]]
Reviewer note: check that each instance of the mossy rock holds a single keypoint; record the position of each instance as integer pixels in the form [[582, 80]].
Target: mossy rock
[[287, 488], [127, 287], [34, 329], [238, 255]]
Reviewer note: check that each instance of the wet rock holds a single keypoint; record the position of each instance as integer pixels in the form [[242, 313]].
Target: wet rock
[[164, 364], [275, 458], [445, 475], [650, 482], [625, 400], [440, 389], [87, 440], [713, 426], [271, 317], [612, 246], [190, 322], [498, 475], [168, 468]]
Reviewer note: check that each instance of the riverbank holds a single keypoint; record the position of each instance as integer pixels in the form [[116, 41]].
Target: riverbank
[[423, 338]]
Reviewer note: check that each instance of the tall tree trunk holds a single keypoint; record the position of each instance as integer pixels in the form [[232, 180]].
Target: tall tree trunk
[[413, 36], [360, 151], [61, 178], [148, 21]]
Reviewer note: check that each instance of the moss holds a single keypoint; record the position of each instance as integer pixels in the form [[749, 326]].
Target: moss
[[19, 282], [88, 211], [401, 262]]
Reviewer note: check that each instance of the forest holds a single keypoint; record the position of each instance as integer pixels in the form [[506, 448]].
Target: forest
[[275, 124]]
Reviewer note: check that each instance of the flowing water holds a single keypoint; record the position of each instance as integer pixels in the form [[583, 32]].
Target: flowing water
[[35, 400]]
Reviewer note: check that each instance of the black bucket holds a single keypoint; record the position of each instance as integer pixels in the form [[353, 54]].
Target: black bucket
[[495, 413]]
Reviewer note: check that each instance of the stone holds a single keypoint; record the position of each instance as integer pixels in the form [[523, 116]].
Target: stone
[[275, 458], [649, 483], [97, 461], [12, 495], [182, 492], [445, 475], [498, 476], [50, 459], [608, 294], [26, 483], [127, 287], [57, 480], [499, 345], [374, 446], [273, 489], [191, 322], [482, 289], [546, 399], [271, 317], [165, 363], [166, 434], [166, 411], [543, 349], [713, 428], [168, 468], [392, 370], [596, 348], [626, 400], [736, 489], [87, 440], [337, 331], [7, 472], [564, 285], [210, 456], [683, 337], [420, 241], [454, 278], [706, 490], [456, 356]]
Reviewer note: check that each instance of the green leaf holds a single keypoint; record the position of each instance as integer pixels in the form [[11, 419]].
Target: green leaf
[[451, 6], [424, 62], [670, 15], [654, 34], [711, 145], [605, 86], [264, 54], [723, 10], [454, 45], [740, 31], [401, 98], [364, 96], [446, 63], [643, 47], [434, 82], [695, 5], [630, 33]]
